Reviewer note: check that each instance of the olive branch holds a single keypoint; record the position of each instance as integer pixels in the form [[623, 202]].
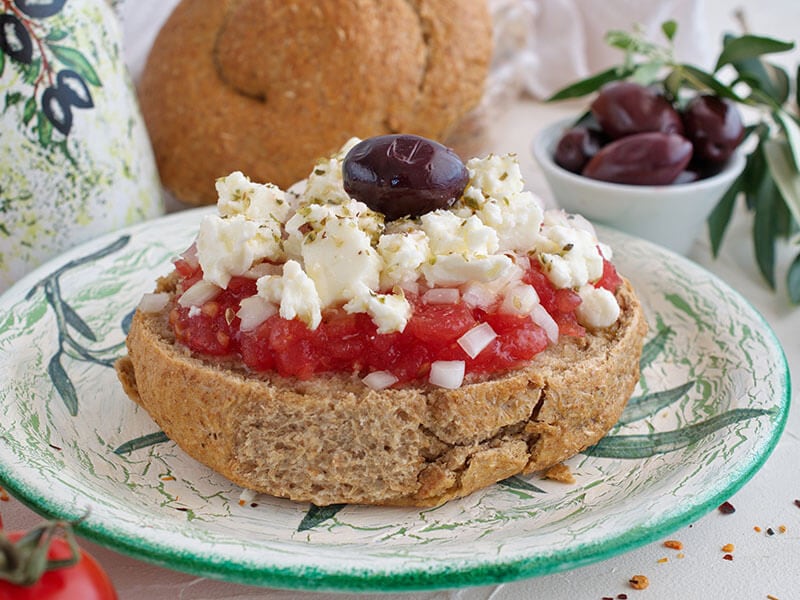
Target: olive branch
[[35, 50], [770, 181]]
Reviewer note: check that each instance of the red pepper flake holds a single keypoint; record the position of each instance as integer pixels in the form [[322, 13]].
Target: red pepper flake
[[771, 597], [770, 531], [797, 503], [606, 598], [622, 596], [662, 560], [673, 544], [639, 582], [726, 508], [728, 557], [782, 528], [727, 548], [4, 497], [54, 447], [167, 478], [182, 508], [757, 529]]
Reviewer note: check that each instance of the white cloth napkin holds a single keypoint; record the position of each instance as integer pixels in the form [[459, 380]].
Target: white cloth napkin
[[543, 45]]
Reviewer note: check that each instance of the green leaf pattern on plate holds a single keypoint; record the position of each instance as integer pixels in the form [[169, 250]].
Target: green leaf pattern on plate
[[709, 354]]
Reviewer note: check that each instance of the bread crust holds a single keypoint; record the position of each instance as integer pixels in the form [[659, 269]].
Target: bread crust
[[333, 440], [269, 86]]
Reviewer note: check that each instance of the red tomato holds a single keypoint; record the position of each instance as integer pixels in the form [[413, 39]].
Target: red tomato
[[85, 580]]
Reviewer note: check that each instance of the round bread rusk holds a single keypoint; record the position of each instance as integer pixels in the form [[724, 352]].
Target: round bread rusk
[[269, 86], [332, 439]]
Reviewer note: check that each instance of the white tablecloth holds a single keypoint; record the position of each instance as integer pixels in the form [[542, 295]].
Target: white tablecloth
[[763, 565]]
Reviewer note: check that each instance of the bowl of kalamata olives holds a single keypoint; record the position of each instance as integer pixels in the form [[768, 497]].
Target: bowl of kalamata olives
[[642, 164]]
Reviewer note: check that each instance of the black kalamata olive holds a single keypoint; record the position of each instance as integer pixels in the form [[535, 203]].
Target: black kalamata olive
[[403, 175], [624, 108], [652, 158], [15, 41], [57, 109], [74, 89], [40, 9], [576, 146], [714, 126]]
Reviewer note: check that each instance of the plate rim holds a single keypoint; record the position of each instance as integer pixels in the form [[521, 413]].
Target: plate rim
[[477, 572]]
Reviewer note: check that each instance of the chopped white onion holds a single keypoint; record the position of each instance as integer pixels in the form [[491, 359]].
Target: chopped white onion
[[200, 293], [247, 497], [523, 261], [543, 319], [189, 256], [411, 287], [379, 380], [447, 373], [263, 268], [152, 303], [477, 295], [441, 296], [476, 339], [519, 300], [253, 311]]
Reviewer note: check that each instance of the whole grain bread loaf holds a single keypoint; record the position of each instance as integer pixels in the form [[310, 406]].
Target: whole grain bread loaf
[[269, 86], [332, 439]]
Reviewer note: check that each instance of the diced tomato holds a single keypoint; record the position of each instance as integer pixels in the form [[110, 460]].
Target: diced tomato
[[345, 342], [610, 279]]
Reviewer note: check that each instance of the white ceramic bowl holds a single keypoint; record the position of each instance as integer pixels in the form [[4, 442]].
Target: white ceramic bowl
[[672, 216]]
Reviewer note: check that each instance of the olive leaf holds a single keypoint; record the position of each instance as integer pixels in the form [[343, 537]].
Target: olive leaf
[[721, 215], [793, 280], [641, 407], [63, 384], [317, 515], [151, 439], [517, 483], [75, 59], [590, 84], [787, 177], [749, 46], [661, 442]]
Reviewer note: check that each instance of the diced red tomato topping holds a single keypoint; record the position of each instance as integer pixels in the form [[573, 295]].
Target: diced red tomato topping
[[350, 342]]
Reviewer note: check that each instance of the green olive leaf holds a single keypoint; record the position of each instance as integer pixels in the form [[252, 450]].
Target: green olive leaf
[[647, 73], [29, 111], [785, 173], [44, 128], [793, 280], [76, 60], [705, 82], [590, 84], [749, 46], [720, 217], [143, 441], [669, 28], [792, 132], [764, 229]]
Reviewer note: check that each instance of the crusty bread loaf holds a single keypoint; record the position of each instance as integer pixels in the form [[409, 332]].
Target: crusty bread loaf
[[269, 86], [334, 440]]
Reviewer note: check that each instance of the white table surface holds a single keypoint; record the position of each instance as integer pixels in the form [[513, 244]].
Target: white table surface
[[763, 565]]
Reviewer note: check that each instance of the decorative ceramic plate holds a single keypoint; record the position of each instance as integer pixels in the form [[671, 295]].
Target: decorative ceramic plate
[[710, 407]]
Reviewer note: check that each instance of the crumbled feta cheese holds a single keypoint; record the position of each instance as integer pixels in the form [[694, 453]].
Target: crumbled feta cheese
[[229, 246], [325, 182], [455, 269], [450, 234], [390, 312], [495, 176], [598, 309], [340, 259], [402, 255], [294, 291], [569, 256], [237, 195]]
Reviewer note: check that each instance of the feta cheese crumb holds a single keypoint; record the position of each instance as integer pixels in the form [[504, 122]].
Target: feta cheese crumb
[[228, 246], [295, 292], [598, 308], [237, 195], [390, 312]]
